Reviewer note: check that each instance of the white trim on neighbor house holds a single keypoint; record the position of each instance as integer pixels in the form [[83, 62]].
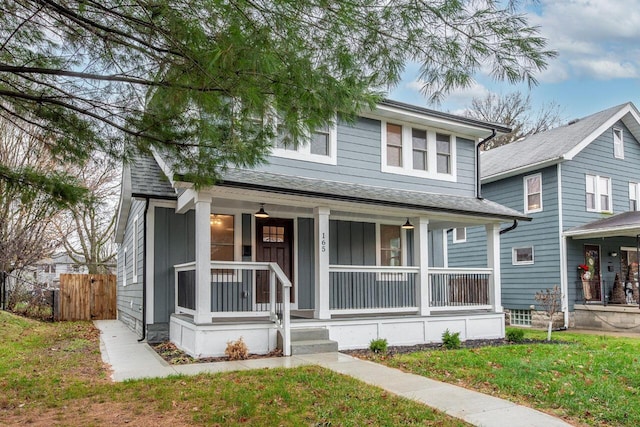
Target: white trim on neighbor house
[[407, 152], [618, 143], [596, 181], [514, 255], [527, 192], [564, 278], [303, 151]]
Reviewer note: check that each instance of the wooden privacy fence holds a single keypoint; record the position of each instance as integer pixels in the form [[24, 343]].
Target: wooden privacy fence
[[86, 297]]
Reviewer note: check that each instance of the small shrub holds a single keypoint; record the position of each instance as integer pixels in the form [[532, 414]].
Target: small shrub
[[515, 335], [379, 346], [451, 341], [236, 350]]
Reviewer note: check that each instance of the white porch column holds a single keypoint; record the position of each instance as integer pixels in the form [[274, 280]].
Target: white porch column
[[203, 259], [321, 219], [493, 262], [421, 251]]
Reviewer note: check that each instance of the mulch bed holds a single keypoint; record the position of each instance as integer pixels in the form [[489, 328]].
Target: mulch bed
[[174, 356]]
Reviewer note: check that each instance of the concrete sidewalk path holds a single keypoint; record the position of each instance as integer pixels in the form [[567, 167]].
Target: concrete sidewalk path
[[130, 359]]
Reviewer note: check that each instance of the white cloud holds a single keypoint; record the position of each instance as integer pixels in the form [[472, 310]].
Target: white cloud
[[594, 39]]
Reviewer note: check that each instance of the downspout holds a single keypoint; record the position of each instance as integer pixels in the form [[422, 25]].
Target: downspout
[[144, 271], [511, 227], [478, 179]]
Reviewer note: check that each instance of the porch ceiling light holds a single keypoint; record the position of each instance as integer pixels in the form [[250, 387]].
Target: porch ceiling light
[[407, 225], [261, 213]]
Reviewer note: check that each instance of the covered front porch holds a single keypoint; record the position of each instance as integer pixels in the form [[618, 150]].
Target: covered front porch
[[362, 271]]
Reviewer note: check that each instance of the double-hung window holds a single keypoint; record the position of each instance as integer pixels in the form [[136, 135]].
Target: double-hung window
[[533, 193], [319, 147], [414, 150], [634, 196], [618, 144], [598, 193]]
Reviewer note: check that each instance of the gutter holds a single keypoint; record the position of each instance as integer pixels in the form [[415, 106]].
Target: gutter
[[478, 177], [144, 271], [510, 228]]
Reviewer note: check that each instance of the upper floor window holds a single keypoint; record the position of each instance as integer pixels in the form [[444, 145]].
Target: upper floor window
[[618, 144], [222, 237], [459, 235], [598, 193], [634, 196], [321, 147], [533, 193], [416, 151]]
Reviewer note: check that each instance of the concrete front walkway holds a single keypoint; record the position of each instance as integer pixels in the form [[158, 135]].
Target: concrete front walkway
[[130, 359]]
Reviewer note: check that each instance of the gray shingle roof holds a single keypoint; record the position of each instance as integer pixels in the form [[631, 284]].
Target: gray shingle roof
[[334, 190], [147, 179], [544, 146], [622, 224]]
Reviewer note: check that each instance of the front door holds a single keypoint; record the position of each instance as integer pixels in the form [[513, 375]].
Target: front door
[[592, 286], [274, 243]]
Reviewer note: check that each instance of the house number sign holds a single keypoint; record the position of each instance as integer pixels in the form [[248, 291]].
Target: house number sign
[[323, 243]]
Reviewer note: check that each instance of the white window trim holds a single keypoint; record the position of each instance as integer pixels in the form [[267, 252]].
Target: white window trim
[[618, 144], [135, 250], [455, 235], [599, 208], [526, 193], [634, 193], [407, 152], [303, 152], [124, 267], [514, 260]]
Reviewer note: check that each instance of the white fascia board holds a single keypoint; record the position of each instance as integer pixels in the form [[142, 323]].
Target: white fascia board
[[627, 109], [521, 170], [124, 206], [387, 112]]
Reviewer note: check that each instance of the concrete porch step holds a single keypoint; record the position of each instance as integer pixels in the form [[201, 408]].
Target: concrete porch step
[[313, 347], [309, 334]]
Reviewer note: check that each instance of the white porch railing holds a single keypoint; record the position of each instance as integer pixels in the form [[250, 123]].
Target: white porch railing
[[460, 289], [239, 289], [371, 289]]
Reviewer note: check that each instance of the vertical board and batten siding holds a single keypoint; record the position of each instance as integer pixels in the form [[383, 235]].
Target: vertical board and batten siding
[[359, 161], [597, 159], [519, 282], [129, 297], [174, 244], [352, 243], [306, 263]]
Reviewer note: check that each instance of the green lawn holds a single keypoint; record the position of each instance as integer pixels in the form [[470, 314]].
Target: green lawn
[[53, 374], [590, 379]]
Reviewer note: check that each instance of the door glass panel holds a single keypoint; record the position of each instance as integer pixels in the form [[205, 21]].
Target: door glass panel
[[272, 234]]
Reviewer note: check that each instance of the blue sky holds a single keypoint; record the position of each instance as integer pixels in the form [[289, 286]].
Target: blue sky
[[598, 63]]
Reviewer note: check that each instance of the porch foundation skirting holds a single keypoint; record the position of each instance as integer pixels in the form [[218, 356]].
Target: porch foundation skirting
[[607, 318], [210, 340]]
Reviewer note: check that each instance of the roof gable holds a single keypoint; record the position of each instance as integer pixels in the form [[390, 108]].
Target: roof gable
[[555, 145]]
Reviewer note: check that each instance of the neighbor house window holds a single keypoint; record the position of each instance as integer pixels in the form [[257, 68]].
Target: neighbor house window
[[390, 245], [618, 144], [394, 145], [522, 256], [634, 196], [520, 317], [459, 235], [598, 193], [419, 141], [124, 266], [135, 250], [319, 147], [417, 151], [443, 146], [533, 193], [222, 237]]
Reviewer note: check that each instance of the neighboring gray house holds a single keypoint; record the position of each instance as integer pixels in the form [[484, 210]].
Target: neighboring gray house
[[48, 270], [343, 235], [580, 183]]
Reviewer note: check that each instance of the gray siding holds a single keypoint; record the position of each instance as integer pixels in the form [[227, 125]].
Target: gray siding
[[306, 262], [359, 161], [129, 297], [352, 243], [174, 244], [519, 282]]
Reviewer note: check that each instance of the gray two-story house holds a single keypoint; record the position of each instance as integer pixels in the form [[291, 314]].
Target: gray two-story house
[[580, 184], [343, 235]]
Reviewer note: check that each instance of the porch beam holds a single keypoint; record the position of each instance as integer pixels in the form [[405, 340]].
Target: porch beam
[[186, 201], [421, 250], [321, 232], [203, 259], [493, 262]]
